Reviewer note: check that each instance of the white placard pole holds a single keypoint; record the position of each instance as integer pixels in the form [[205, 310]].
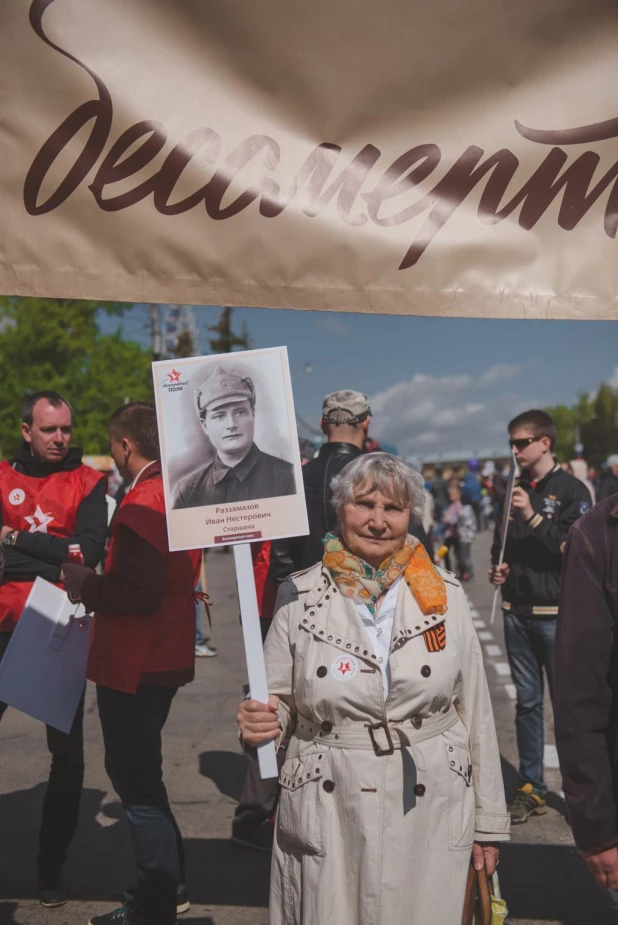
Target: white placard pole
[[256, 666], [504, 526]]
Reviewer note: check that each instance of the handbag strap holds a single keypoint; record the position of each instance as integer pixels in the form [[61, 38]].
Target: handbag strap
[[484, 897]]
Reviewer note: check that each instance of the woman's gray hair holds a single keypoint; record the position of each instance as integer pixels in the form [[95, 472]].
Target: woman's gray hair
[[381, 472]]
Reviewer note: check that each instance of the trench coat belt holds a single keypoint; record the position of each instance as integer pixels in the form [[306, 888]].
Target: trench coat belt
[[383, 737]]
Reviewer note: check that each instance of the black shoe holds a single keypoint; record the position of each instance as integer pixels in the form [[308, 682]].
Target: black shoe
[[259, 839], [130, 914], [182, 899], [52, 891]]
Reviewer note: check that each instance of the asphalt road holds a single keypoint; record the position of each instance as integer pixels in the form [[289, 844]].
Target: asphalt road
[[542, 878]]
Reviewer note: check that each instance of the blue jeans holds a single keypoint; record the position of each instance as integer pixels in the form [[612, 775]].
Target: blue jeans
[[132, 725], [530, 645]]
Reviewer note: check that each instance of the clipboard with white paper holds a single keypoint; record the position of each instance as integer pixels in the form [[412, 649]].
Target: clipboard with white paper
[[43, 671]]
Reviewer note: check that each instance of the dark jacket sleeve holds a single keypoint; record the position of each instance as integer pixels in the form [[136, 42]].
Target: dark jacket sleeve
[[19, 566], [284, 560], [583, 697], [90, 533], [137, 584]]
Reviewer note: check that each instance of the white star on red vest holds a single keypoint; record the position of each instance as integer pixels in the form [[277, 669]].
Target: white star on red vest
[[39, 521]]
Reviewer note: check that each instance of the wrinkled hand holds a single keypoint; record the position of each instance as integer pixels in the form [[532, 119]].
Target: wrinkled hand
[[498, 574], [521, 502], [485, 855], [603, 867], [259, 722], [73, 577]]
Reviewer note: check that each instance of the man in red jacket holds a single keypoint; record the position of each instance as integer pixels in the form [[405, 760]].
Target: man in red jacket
[[49, 500], [141, 652]]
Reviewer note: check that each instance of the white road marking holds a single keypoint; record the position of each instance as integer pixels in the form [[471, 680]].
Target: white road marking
[[479, 623], [485, 635], [493, 651], [550, 757], [474, 613], [510, 689], [502, 668]]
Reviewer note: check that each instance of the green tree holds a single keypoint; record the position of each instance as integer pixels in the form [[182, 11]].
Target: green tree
[[56, 344], [226, 339], [590, 421], [600, 433], [185, 344]]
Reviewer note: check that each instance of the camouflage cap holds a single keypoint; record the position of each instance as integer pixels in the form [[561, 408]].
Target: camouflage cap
[[222, 388], [345, 407]]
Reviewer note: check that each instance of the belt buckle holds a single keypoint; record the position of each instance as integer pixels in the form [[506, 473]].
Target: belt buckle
[[380, 752]]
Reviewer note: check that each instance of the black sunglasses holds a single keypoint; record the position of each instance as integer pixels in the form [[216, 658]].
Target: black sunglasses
[[522, 443]]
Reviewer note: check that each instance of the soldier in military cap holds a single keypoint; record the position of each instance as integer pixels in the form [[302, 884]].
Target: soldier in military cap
[[225, 404]]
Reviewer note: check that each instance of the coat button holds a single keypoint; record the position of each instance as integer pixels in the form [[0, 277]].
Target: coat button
[[419, 790], [322, 671], [417, 722], [327, 727], [425, 671], [329, 786]]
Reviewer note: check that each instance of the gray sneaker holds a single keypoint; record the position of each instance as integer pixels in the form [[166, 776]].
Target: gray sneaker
[[526, 803], [205, 651]]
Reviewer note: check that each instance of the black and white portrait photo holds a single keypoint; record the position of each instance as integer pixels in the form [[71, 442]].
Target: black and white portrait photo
[[228, 407], [229, 448]]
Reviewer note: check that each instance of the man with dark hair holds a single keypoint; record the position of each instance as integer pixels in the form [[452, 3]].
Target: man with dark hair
[[241, 471], [50, 501], [546, 503], [141, 652]]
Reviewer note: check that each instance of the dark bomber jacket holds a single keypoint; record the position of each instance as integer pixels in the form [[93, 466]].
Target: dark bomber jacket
[[586, 695], [534, 550]]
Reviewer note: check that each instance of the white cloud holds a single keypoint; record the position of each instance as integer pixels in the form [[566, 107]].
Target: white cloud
[[499, 372], [429, 415], [613, 380]]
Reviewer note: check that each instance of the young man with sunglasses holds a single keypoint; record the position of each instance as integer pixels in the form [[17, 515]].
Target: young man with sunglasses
[[546, 502]]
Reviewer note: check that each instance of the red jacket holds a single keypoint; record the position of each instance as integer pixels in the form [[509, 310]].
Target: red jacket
[[125, 650], [39, 505]]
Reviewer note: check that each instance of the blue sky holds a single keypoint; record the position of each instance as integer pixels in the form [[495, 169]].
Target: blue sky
[[436, 384]]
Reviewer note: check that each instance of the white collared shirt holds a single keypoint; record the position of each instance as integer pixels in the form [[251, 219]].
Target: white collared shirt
[[136, 479], [380, 630]]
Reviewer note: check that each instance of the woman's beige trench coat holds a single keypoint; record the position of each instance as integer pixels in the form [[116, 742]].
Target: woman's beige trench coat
[[370, 833]]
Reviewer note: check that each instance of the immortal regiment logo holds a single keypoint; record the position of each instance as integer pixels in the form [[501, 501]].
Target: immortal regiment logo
[[344, 667], [172, 382], [361, 197]]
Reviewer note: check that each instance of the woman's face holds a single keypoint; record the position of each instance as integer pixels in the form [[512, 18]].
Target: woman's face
[[373, 525]]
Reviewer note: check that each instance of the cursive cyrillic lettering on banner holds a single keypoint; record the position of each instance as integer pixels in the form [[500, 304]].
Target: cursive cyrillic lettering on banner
[[317, 182]]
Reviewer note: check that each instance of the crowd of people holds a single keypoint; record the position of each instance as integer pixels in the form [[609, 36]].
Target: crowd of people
[[378, 701]]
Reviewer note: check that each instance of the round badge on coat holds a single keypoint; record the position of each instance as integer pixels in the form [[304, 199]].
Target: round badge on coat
[[344, 667], [17, 496]]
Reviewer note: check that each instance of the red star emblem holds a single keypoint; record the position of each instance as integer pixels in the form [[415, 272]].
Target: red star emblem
[[174, 376], [344, 667]]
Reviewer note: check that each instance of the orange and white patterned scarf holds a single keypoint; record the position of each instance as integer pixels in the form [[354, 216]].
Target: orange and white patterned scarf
[[363, 584]]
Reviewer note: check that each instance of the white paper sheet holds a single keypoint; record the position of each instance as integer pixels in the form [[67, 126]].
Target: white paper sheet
[[43, 671]]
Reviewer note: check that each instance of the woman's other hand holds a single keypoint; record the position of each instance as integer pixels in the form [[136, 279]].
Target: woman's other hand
[[485, 855], [259, 722]]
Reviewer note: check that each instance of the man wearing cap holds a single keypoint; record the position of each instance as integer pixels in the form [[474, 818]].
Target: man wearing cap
[[225, 404], [345, 422]]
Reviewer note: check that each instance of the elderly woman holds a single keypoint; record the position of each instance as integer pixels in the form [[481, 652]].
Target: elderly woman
[[392, 776]]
